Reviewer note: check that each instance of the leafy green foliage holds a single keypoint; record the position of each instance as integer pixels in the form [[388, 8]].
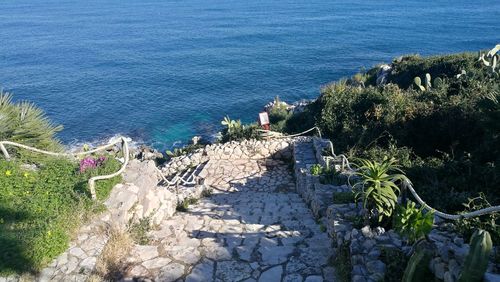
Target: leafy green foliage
[[278, 115], [316, 169], [184, 205], [331, 176], [139, 231], [25, 123], [343, 197], [177, 152], [406, 69], [300, 121], [328, 174], [413, 222], [235, 131], [39, 209], [231, 125], [377, 186]]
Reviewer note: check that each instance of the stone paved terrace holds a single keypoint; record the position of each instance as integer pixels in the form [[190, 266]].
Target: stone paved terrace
[[254, 227]]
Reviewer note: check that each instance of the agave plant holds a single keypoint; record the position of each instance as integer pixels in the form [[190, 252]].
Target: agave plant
[[377, 185]]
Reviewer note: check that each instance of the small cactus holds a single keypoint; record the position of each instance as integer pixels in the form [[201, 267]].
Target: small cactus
[[477, 259], [418, 82], [417, 268], [438, 82], [428, 81]]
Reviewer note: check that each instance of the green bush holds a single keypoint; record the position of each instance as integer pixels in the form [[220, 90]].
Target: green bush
[[300, 122], [330, 175], [139, 231], [239, 132], [278, 113], [477, 260], [408, 67], [413, 222], [278, 116], [40, 209]]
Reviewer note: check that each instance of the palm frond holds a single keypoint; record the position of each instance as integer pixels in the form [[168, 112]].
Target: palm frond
[[26, 123]]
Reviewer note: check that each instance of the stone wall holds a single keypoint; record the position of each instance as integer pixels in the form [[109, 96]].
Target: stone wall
[[247, 149], [450, 254], [140, 196]]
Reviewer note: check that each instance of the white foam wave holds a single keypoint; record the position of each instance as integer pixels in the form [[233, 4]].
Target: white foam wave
[[77, 145]]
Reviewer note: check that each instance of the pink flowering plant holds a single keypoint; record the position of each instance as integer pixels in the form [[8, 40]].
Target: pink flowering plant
[[91, 163]]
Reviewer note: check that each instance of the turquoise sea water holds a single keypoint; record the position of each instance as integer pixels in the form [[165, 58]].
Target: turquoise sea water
[[161, 71]]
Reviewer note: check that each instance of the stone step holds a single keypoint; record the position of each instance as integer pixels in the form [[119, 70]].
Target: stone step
[[304, 155]]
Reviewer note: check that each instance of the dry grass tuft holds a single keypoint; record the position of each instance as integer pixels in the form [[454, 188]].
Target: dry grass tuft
[[111, 265], [95, 278]]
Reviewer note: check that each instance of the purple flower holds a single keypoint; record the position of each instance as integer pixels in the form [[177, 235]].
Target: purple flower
[[91, 163], [100, 160]]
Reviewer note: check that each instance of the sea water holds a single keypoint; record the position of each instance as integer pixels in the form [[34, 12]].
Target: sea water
[[161, 71]]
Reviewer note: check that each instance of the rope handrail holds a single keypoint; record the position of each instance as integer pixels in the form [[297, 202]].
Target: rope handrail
[[293, 135], [92, 180], [480, 212], [345, 161]]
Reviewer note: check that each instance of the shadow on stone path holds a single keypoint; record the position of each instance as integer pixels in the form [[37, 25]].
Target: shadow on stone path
[[254, 227]]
